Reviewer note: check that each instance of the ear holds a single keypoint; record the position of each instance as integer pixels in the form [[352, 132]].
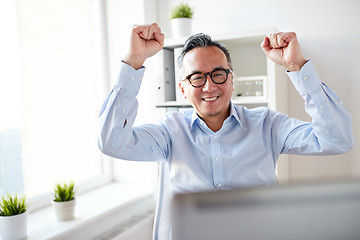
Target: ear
[[232, 81], [182, 89]]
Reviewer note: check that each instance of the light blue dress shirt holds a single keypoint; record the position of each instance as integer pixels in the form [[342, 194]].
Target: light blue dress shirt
[[242, 153]]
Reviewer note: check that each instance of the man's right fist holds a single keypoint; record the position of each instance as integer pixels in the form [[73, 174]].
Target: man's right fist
[[146, 41]]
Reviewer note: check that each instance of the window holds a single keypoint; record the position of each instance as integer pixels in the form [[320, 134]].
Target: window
[[49, 95], [58, 63], [11, 175]]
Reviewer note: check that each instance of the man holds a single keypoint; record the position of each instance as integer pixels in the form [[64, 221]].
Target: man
[[218, 145]]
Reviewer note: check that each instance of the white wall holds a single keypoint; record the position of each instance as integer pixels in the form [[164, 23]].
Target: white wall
[[329, 34], [121, 15]]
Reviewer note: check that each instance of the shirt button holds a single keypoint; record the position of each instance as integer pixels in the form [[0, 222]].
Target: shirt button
[[123, 109], [132, 78], [305, 77], [216, 159], [219, 185], [215, 137], [322, 107]]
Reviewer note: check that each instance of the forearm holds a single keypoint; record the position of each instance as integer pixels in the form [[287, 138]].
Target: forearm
[[331, 122], [119, 110]]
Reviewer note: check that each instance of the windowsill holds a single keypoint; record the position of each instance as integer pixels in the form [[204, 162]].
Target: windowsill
[[96, 212]]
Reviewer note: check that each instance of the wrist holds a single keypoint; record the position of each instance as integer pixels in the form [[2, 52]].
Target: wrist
[[134, 62], [296, 66]]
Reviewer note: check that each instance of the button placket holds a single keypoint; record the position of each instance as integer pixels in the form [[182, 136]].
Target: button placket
[[217, 166]]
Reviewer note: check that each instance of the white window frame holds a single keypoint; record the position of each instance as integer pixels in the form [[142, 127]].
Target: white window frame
[[134, 202], [107, 163]]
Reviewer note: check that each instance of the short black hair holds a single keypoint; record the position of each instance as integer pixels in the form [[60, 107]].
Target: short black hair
[[201, 40]]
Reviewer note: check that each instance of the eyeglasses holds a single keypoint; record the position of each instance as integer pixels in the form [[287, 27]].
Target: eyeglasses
[[198, 79]]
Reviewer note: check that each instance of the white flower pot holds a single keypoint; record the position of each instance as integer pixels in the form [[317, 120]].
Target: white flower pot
[[14, 227], [181, 27], [65, 210]]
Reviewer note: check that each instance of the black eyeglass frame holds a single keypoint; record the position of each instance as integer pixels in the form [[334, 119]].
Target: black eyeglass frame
[[227, 71]]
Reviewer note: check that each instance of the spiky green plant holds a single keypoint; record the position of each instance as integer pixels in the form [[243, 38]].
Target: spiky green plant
[[181, 11], [64, 192], [12, 205]]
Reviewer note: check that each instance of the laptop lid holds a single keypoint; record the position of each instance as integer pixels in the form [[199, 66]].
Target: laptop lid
[[310, 211]]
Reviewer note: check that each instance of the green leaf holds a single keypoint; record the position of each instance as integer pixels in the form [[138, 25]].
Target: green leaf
[[64, 192], [181, 11], [12, 205]]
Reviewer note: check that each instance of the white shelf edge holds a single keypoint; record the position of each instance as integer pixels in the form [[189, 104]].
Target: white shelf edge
[[172, 104], [236, 101], [250, 100], [250, 78]]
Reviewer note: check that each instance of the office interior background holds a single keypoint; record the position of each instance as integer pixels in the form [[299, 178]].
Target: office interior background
[[59, 60]]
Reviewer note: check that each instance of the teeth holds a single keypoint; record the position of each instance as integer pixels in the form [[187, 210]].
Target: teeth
[[210, 99]]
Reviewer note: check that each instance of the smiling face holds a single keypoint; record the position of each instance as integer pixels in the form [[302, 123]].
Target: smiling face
[[211, 101]]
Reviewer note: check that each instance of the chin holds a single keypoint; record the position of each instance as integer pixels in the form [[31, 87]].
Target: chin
[[211, 114]]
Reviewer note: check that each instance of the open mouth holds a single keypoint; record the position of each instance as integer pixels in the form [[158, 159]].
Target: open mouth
[[210, 99]]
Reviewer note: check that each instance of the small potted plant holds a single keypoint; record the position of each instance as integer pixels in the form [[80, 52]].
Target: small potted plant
[[13, 217], [64, 201], [181, 16]]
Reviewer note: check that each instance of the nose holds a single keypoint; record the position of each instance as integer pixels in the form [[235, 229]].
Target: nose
[[209, 85]]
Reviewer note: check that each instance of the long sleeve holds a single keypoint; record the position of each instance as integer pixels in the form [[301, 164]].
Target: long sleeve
[[330, 131], [118, 138]]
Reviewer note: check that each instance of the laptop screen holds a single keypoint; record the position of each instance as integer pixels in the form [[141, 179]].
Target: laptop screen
[[292, 212]]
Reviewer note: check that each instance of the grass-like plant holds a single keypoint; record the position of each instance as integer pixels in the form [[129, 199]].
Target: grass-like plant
[[12, 205], [181, 11], [64, 192]]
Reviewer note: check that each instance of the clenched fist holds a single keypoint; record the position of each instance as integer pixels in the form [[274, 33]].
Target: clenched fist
[[146, 41], [284, 49]]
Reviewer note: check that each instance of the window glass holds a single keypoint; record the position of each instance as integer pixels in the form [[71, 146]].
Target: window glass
[[52, 106], [11, 175], [59, 59]]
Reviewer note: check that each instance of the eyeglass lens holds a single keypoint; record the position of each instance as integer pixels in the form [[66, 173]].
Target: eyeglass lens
[[199, 79]]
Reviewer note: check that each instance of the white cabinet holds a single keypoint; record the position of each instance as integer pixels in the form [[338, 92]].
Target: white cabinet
[[257, 80]]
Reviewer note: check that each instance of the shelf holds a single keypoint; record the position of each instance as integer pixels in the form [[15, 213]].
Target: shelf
[[258, 81], [172, 104], [258, 101], [249, 100]]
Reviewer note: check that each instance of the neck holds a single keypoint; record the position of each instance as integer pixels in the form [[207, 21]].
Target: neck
[[214, 125], [215, 122]]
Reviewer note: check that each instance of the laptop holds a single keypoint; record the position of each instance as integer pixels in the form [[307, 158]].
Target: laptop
[[308, 211]]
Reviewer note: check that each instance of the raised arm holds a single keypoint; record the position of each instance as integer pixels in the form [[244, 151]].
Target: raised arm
[[330, 131], [117, 137]]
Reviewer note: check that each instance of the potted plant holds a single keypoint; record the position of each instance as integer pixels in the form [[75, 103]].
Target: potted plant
[[64, 201], [181, 16], [13, 217]]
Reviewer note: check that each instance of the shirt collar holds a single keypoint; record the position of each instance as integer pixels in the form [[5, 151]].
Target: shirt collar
[[194, 117], [234, 112]]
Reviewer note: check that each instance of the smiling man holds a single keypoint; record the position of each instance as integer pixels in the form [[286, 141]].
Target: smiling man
[[208, 93], [217, 145]]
